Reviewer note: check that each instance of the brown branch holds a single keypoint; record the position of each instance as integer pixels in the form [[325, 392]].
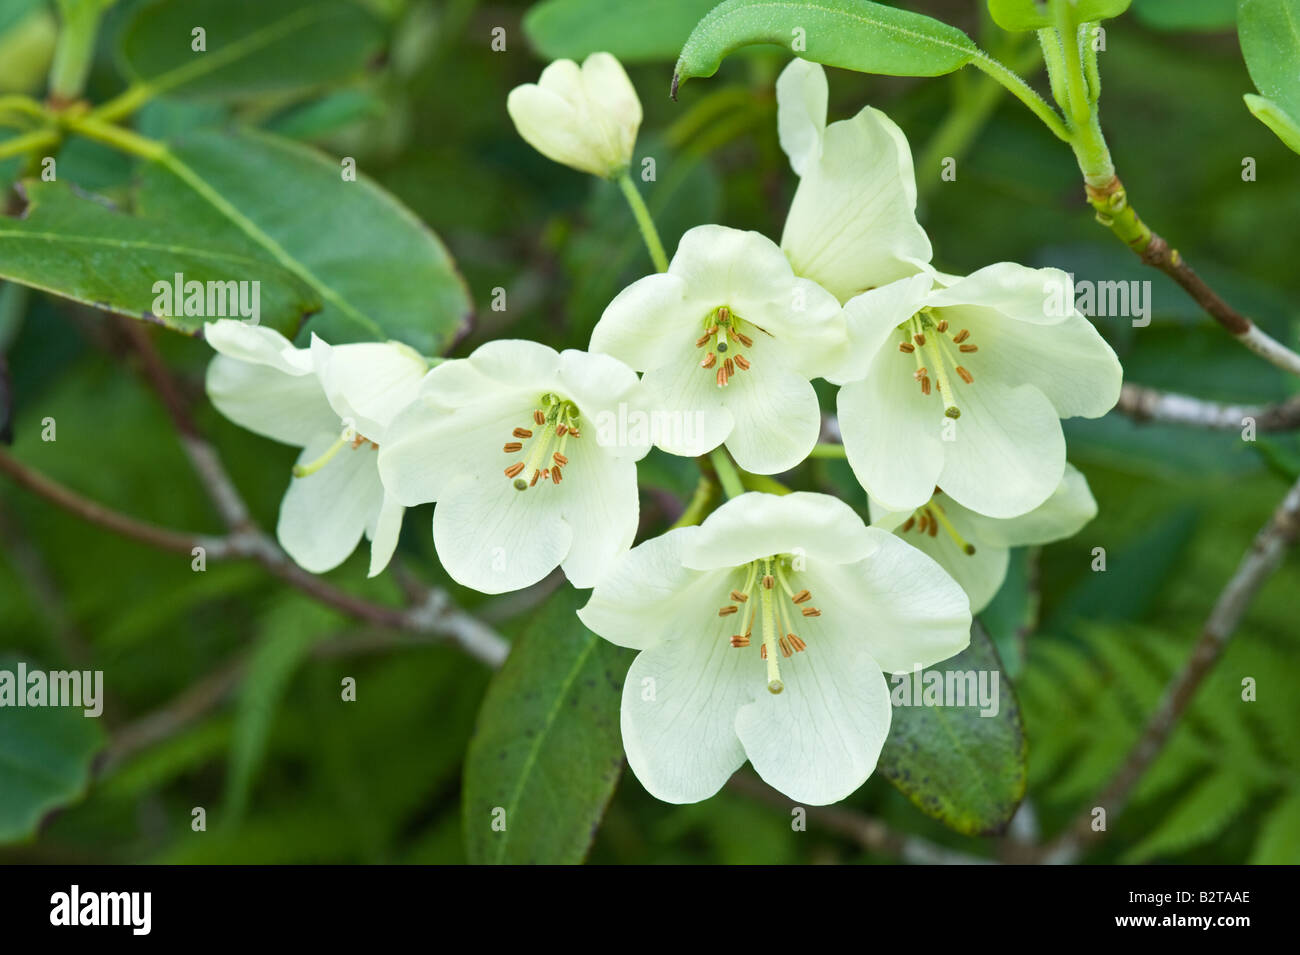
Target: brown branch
[[1114, 211], [1263, 558], [435, 615], [1147, 404]]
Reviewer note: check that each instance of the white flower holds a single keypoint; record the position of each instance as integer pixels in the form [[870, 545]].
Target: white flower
[[526, 451], [975, 549], [335, 403], [763, 635], [961, 383], [586, 118], [852, 225], [728, 339]]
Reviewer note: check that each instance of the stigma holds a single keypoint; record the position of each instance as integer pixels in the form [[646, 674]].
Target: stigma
[[724, 337], [544, 438], [927, 339], [759, 600]]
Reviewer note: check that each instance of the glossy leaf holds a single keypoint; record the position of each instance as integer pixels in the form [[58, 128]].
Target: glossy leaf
[[45, 758], [1269, 31], [962, 768], [852, 34], [1282, 123], [646, 30], [379, 272], [547, 752], [251, 46], [79, 248]]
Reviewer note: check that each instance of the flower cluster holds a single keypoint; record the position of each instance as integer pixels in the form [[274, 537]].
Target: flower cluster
[[764, 631]]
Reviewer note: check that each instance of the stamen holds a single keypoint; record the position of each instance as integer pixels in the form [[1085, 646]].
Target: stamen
[[539, 417], [961, 336], [801, 597], [703, 339], [919, 338], [909, 524], [740, 640], [709, 360], [966, 376], [556, 476], [536, 477], [942, 326], [729, 365], [799, 645], [515, 469], [737, 596], [906, 347], [785, 646], [742, 338], [940, 517], [512, 447], [728, 610], [968, 348], [722, 376], [768, 581], [558, 458], [522, 433], [561, 430], [742, 362], [811, 612]]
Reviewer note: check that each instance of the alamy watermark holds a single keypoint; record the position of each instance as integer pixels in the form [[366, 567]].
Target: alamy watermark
[[947, 688], [83, 689], [212, 299], [1108, 299]]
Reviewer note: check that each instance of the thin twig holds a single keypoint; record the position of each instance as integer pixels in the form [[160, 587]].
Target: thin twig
[[435, 615], [1148, 404], [1263, 558], [1114, 211]]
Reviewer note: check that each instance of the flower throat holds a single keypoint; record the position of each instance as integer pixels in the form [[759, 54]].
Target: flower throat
[[761, 579], [555, 423]]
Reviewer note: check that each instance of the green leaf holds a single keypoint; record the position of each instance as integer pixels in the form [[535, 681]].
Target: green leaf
[[1200, 816], [380, 272], [546, 753], [79, 248], [45, 758], [1035, 14], [1275, 118], [252, 46], [964, 769], [1269, 31], [1186, 14], [852, 34], [647, 30], [288, 633], [1279, 838]]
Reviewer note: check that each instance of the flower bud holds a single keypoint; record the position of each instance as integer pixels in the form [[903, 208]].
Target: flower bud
[[585, 117]]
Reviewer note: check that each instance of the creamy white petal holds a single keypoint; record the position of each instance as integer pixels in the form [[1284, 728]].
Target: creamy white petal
[[756, 525], [495, 539], [819, 740], [604, 389], [689, 408], [1007, 454], [852, 225], [645, 325], [367, 384], [777, 419], [257, 344], [679, 709], [979, 574], [601, 508], [385, 530], [892, 433], [290, 408], [648, 595], [872, 319], [1062, 515], [801, 95], [905, 609], [429, 447], [1031, 296], [323, 515], [1069, 362]]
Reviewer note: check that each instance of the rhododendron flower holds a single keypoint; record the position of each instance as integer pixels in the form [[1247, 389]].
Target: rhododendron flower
[[514, 445], [729, 338], [335, 402], [764, 635]]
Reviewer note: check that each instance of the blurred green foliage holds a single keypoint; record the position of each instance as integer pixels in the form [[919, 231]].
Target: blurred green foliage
[[288, 773]]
